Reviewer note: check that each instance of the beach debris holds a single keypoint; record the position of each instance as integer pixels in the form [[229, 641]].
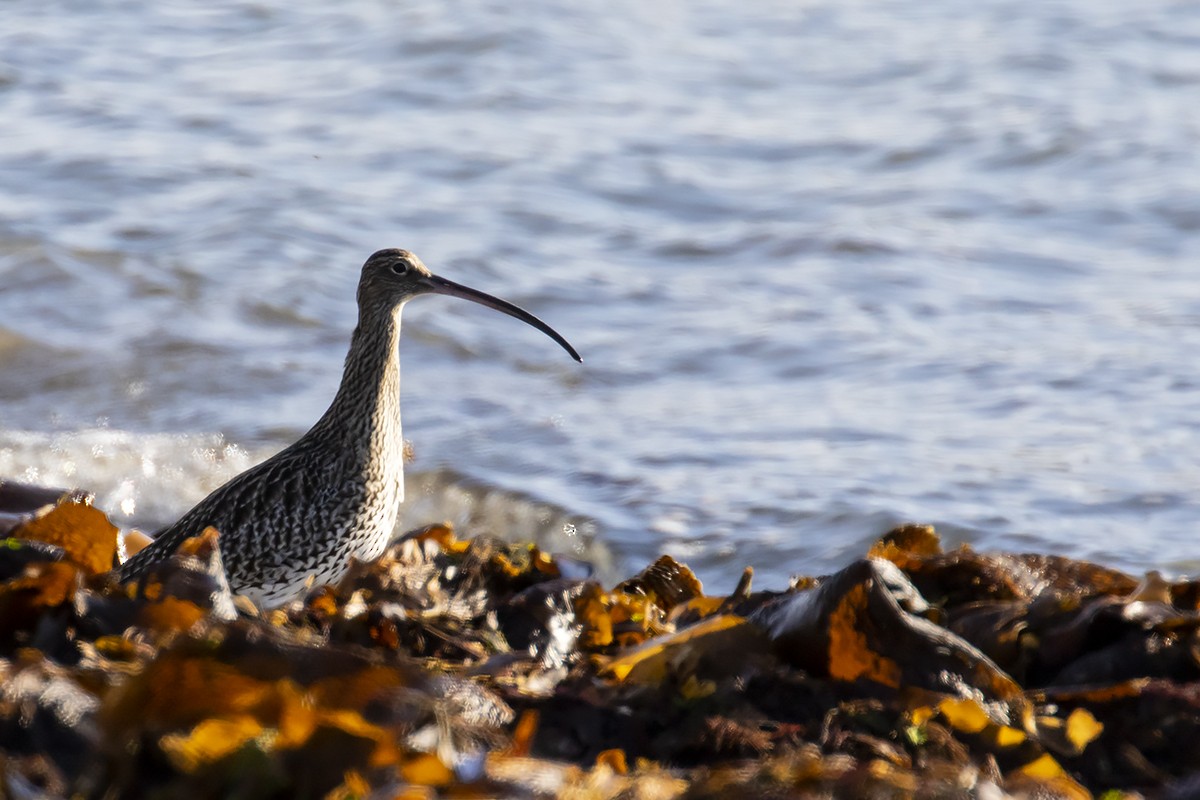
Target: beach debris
[[454, 667]]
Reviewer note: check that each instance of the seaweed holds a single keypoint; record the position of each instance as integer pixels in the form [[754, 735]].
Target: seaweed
[[461, 667]]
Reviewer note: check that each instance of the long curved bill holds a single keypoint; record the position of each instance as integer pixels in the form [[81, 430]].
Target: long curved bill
[[438, 285]]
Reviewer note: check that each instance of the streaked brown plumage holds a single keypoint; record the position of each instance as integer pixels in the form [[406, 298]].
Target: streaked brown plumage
[[336, 492]]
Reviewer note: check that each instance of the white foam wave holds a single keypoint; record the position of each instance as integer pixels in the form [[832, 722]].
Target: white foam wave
[[140, 480], [147, 480]]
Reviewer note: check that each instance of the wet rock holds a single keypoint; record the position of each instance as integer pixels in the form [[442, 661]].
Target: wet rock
[[541, 620], [17, 554], [43, 712], [852, 628]]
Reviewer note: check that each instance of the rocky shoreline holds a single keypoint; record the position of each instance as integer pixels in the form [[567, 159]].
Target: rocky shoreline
[[471, 667]]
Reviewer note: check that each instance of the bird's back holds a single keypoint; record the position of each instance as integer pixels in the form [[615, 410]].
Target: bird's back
[[300, 513]]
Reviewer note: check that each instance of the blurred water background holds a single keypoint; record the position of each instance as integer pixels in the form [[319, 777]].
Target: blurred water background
[[832, 266]]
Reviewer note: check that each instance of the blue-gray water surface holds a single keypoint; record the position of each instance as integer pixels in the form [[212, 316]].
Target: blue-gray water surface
[[831, 266]]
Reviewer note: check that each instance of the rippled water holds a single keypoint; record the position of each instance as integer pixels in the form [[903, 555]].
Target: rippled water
[[831, 265]]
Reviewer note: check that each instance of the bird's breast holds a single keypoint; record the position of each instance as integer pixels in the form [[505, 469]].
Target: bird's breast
[[384, 492]]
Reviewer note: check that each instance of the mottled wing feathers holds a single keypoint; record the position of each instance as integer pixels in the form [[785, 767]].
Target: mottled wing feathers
[[263, 514]]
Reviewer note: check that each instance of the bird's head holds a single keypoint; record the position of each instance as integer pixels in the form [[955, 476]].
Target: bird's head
[[392, 277]]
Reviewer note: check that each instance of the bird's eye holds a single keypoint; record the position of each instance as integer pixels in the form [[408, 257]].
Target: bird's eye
[[400, 267]]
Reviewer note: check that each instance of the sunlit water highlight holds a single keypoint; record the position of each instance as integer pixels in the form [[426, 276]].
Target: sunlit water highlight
[[831, 266]]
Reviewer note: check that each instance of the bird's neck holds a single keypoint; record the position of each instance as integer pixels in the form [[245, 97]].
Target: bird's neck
[[364, 418]]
